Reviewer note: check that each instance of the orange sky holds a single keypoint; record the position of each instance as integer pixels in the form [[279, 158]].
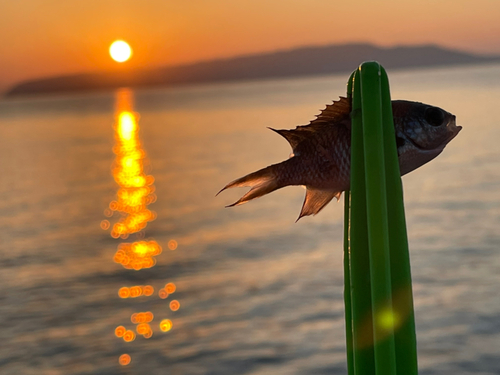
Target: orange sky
[[52, 37]]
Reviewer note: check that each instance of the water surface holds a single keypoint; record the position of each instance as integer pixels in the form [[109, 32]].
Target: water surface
[[259, 293]]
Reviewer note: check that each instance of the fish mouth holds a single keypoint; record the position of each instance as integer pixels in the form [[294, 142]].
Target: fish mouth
[[454, 132]]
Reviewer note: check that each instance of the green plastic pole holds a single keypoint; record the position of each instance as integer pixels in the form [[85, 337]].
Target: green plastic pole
[[358, 259], [402, 299], [380, 331]]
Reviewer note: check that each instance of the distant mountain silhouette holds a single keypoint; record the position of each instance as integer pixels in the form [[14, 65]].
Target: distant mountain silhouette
[[296, 62]]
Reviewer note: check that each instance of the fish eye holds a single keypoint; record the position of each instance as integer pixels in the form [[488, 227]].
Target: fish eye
[[434, 116], [400, 142]]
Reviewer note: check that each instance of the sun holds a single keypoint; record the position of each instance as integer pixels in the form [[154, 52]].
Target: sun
[[120, 51]]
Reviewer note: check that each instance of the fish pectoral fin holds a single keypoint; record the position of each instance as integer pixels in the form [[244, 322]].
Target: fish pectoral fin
[[316, 199]]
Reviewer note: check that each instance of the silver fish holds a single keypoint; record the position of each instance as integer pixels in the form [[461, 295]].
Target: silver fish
[[321, 158]]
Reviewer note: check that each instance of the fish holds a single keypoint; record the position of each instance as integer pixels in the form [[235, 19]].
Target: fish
[[321, 152]]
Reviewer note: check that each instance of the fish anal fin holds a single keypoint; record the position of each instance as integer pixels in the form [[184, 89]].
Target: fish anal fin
[[316, 199]]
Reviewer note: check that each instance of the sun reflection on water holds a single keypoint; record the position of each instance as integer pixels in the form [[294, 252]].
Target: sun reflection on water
[[136, 190], [137, 255], [135, 193], [136, 291]]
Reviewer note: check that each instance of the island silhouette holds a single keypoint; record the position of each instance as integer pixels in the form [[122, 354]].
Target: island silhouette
[[304, 61]]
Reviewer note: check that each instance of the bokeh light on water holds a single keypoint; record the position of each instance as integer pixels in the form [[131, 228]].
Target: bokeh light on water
[[137, 255], [129, 336], [120, 331], [170, 288], [124, 359], [174, 305], [166, 325], [135, 291], [135, 193], [162, 293]]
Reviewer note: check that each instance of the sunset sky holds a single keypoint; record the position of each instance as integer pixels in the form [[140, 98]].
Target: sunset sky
[[51, 37]]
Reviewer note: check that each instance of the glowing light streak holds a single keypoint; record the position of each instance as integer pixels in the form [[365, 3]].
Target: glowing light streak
[[136, 191]]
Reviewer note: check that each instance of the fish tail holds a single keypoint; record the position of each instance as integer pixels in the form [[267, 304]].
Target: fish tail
[[262, 182]]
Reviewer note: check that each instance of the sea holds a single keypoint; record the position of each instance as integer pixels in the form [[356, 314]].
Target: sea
[[240, 290]]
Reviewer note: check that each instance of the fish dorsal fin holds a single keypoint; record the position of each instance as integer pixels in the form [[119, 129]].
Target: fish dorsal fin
[[292, 136], [339, 109], [336, 112], [317, 199]]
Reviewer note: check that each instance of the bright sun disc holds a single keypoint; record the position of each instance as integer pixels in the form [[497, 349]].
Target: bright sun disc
[[120, 51]]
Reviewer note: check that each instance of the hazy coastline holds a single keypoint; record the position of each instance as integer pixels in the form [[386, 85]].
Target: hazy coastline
[[304, 61]]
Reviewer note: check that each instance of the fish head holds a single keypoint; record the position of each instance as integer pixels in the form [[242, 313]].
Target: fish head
[[422, 132]]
